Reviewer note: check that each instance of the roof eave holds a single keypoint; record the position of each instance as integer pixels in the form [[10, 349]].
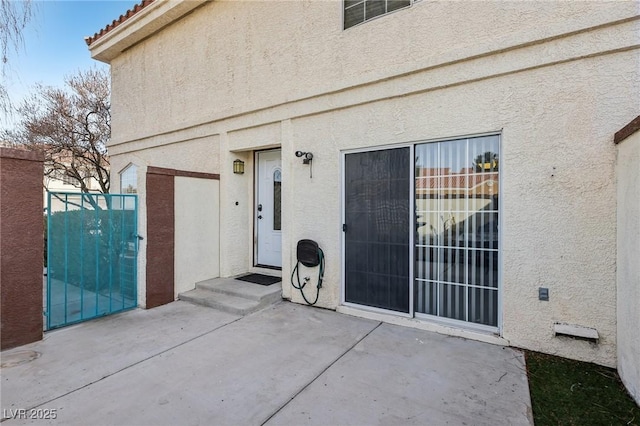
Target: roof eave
[[146, 22]]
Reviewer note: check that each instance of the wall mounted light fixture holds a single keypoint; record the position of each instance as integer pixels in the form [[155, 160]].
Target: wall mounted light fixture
[[238, 167], [307, 158]]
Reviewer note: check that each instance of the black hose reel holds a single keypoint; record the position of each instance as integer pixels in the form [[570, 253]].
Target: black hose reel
[[309, 254]]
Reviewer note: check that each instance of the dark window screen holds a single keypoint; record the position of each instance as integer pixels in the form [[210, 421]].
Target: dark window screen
[[359, 11], [377, 213]]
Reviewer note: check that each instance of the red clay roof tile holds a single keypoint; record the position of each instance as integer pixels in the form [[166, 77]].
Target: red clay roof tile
[[137, 8]]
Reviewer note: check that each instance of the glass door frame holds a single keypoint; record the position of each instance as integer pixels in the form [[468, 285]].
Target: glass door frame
[[458, 324], [343, 279]]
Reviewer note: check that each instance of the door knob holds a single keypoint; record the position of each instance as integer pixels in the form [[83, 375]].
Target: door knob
[[259, 207], [259, 216]]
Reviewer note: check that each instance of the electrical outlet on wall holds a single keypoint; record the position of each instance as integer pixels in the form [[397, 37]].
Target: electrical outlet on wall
[[543, 293]]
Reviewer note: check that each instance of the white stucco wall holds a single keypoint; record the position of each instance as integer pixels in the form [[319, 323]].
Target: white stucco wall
[[197, 231], [236, 215], [231, 57], [553, 78], [628, 273]]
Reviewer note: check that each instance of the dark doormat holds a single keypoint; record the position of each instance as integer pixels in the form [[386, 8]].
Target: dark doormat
[[259, 279]]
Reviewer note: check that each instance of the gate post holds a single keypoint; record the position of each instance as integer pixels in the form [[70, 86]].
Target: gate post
[[21, 246], [160, 236]]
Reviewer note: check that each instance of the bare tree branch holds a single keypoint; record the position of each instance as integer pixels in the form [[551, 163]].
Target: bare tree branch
[[71, 126], [14, 17]]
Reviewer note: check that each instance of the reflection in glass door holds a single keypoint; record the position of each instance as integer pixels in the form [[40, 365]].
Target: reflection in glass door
[[456, 240]]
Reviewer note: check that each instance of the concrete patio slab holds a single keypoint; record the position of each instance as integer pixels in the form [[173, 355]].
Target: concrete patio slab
[[287, 364], [404, 376], [74, 357]]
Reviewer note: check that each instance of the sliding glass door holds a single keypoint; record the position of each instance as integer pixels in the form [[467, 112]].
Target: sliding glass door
[[456, 241], [452, 230], [377, 232]]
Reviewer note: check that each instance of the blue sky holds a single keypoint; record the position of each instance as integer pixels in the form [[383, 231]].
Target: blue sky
[[54, 43]]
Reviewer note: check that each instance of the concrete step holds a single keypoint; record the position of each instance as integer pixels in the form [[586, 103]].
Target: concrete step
[[233, 296], [223, 302], [237, 288]]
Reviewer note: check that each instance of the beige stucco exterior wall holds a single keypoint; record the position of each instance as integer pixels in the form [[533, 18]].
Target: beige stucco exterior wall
[[628, 273], [197, 231], [230, 57], [553, 78]]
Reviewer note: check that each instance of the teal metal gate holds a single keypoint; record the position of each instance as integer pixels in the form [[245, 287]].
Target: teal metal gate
[[92, 251]]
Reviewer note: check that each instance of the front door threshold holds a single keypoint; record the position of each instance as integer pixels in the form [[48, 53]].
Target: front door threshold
[[275, 268]]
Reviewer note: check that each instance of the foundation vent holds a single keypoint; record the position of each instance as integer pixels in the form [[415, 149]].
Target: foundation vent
[[576, 331]]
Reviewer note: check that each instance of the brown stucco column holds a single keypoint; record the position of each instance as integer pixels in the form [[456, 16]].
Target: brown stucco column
[[21, 246], [160, 236]]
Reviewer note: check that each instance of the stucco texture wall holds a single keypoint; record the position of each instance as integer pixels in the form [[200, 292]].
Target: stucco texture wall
[[21, 247], [197, 225], [232, 57], [552, 78], [628, 272]]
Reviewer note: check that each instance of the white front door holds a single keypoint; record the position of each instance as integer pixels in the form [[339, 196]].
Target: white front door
[[268, 208]]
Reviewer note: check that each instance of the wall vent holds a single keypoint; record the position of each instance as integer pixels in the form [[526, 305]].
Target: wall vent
[[576, 331]]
